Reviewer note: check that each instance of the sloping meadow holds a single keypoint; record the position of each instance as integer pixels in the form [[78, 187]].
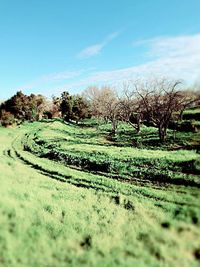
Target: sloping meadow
[[88, 149], [71, 197]]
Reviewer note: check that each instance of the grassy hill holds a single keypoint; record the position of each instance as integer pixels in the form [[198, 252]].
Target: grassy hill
[[72, 196]]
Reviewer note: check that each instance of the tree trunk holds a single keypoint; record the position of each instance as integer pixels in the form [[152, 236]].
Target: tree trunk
[[174, 134], [162, 133], [138, 126], [114, 127], [181, 115]]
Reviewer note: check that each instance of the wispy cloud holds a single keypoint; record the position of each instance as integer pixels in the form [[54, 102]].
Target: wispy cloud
[[96, 48], [57, 76], [52, 78], [174, 57], [178, 46]]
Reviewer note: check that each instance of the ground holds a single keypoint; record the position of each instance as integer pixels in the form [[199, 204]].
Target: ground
[[73, 196]]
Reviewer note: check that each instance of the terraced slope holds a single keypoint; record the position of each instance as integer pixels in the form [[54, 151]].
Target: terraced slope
[[87, 150], [69, 197]]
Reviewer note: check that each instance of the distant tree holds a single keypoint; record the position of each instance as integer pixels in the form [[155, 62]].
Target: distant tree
[[92, 95], [107, 106], [104, 104], [52, 108], [17, 105], [55, 108], [160, 99], [66, 105], [24, 107], [80, 109], [131, 108], [36, 105], [188, 99], [6, 118]]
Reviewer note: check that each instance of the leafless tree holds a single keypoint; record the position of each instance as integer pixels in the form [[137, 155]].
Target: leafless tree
[[188, 99], [92, 94], [104, 103], [108, 106], [156, 101], [131, 106], [161, 98]]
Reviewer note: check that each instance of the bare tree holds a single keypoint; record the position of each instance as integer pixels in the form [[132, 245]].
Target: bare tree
[[108, 106], [160, 98], [188, 99], [92, 94], [157, 102], [131, 106], [104, 103]]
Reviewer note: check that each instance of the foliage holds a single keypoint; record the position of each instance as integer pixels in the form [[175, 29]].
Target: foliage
[[80, 109], [24, 107], [6, 118], [74, 107], [66, 105]]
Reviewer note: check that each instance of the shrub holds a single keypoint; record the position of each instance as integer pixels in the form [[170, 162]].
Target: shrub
[[7, 119]]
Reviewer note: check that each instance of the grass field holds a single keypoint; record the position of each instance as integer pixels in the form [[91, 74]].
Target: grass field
[[72, 196]]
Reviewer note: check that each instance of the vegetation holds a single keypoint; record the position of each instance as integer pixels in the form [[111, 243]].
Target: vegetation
[[74, 107], [60, 206], [102, 179], [24, 107], [192, 114], [159, 102]]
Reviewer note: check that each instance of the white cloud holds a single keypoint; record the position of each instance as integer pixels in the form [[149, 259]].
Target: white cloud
[[57, 76], [96, 48], [185, 45], [175, 57], [91, 50], [51, 78]]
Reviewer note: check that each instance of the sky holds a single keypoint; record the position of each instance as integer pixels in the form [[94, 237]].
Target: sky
[[51, 46]]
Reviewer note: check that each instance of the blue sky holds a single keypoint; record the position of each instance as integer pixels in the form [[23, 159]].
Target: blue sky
[[49, 46]]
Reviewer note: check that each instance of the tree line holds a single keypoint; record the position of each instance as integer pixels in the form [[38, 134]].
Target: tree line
[[158, 102], [21, 107]]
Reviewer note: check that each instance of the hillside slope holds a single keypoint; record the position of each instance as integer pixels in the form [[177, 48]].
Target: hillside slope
[[57, 212]]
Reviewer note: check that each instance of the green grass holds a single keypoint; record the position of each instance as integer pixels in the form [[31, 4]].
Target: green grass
[[52, 214], [192, 114], [192, 111], [89, 150]]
